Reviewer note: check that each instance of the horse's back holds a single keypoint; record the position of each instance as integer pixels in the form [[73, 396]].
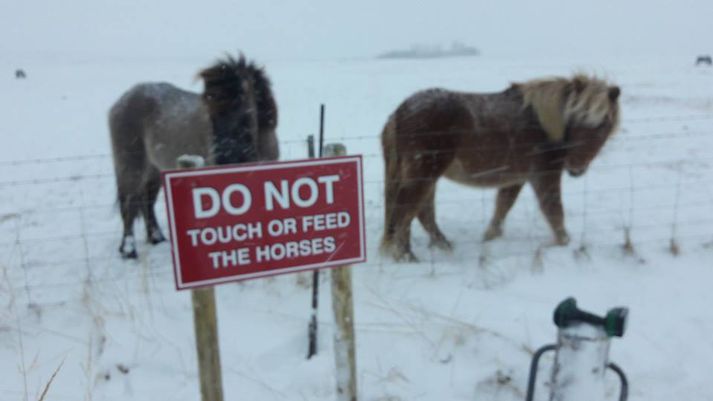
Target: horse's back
[[478, 132], [140, 101], [431, 117], [430, 103], [162, 119]]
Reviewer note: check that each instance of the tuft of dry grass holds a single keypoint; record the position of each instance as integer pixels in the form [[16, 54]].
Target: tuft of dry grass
[[628, 246], [49, 383], [582, 252], [674, 248], [538, 262], [483, 260]]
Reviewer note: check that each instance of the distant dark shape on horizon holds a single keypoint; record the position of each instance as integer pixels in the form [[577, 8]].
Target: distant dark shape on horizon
[[704, 59], [457, 49], [20, 73]]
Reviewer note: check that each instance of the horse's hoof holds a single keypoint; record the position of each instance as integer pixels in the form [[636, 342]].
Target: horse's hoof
[[407, 257], [398, 253], [127, 249], [491, 233], [442, 244], [562, 239], [156, 238], [129, 255]]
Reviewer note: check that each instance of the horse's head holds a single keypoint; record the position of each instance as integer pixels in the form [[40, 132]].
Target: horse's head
[[592, 114], [577, 114], [231, 98]]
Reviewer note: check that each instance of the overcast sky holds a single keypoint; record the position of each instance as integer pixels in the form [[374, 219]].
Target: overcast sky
[[329, 29]]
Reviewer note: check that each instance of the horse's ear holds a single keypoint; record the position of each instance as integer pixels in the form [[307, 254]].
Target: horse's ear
[[204, 74], [614, 93], [578, 84], [198, 76]]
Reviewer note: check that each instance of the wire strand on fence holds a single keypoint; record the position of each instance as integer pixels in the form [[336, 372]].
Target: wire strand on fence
[[704, 245], [376, 136], [512, 220], [656, 163]]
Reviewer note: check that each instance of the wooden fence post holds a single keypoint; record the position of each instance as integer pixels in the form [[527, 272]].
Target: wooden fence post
[[343, 307], [205, 322]]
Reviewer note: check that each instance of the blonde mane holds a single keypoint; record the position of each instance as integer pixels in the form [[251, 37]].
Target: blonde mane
[[582, 100]]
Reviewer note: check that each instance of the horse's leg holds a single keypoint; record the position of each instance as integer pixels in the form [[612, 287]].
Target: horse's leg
[[151, 188], [415, 189], [392, 179], [416, 155], [548, 190], [505, 199], [427, 217], [396, 232], [129, 204], [408, 200], [402, 202], [130, 199], [391, 189]]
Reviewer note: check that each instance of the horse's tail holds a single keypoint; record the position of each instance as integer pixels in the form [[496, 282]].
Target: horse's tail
[[391, 178], [128, 149]]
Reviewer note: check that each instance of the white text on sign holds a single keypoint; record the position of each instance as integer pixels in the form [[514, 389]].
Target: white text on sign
[[236, 199]]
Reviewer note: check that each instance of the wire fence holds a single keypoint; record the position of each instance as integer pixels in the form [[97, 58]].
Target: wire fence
[[664, 199], [668, 134]]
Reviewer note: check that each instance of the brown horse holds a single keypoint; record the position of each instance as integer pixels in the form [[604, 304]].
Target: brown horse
[[154, 123], [528, 133]]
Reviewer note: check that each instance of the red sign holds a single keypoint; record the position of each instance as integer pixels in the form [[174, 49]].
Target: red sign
[[247, 221]]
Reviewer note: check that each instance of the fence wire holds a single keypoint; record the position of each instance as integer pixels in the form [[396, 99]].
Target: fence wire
[[20, 222]]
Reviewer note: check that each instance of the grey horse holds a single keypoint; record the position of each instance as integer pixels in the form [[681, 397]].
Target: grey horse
[[152, 124]]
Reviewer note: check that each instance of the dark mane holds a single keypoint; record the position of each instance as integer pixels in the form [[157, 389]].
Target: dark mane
[[223, 79]]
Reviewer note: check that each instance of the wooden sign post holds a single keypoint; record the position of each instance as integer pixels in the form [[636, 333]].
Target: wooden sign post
[[205, 322], [343, 307]]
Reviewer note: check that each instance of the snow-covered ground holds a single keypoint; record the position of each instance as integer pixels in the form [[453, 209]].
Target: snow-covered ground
[[458, 326]]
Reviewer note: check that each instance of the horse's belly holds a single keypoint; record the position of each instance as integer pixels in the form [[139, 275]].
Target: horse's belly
[[483, 176]]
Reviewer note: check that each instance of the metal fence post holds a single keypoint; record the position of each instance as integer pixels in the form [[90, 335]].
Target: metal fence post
[[313, 325]]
